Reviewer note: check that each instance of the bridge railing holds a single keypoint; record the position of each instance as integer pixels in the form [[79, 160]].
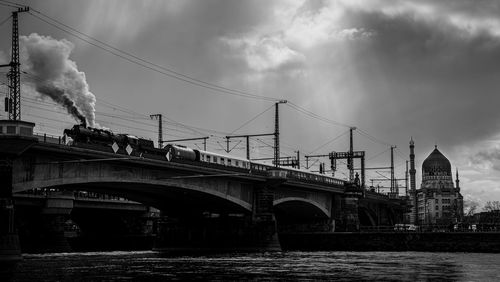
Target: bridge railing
[[48, 192], [426, 228], [376, 229], [46, 138]]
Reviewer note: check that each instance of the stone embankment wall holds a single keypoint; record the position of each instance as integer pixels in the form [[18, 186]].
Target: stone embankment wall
[[425, 242]]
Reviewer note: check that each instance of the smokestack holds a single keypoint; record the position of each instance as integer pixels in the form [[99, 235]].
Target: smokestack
[[54, 75]]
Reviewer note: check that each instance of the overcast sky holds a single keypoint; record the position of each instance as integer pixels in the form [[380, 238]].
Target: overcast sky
[[394, 69]]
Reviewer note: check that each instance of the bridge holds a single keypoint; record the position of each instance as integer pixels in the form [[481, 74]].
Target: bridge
[[202, 206], [51, 220]]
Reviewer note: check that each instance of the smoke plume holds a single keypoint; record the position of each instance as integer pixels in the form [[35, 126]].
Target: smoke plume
[[54, 75], [61, 98]]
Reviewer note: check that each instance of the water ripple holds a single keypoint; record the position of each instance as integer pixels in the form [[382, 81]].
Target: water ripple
[[305, 266]]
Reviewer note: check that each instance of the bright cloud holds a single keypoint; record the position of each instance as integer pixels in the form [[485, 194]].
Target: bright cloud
[[266, 53]]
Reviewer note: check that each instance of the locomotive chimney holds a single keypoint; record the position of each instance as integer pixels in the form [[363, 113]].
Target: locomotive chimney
[[84, 122]]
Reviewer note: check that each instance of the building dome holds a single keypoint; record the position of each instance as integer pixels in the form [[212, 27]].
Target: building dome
[[436, 164]]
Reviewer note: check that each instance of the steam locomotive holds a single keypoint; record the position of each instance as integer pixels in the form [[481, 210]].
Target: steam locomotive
[[106, 140]]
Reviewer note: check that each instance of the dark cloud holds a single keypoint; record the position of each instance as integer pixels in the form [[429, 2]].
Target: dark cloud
[[428, 77]]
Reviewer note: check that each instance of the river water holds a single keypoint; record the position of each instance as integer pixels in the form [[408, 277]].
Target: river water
[[339, 266]]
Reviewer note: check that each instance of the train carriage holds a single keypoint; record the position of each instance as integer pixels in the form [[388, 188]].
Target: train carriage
[[105, 140]]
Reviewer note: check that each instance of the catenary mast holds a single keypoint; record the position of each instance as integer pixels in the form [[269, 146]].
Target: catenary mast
[[13, 102]]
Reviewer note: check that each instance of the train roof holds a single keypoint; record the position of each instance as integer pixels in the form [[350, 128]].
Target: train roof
[[297, 170], [223, 156]]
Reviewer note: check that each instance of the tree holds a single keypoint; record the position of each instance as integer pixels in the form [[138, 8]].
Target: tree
[[492, 216], [492, 206], [470, 208]]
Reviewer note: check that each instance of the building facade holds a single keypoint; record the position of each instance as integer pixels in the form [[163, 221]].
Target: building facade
[[438, 201]]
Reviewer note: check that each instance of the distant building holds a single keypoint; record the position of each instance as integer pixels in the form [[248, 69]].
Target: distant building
[[487, 221], [438, 201]]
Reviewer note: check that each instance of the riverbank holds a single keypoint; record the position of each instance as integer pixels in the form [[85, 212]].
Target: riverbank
[[480, 242]]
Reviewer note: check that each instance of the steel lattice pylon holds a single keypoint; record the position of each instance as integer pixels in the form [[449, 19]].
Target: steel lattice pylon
[[14, 101]]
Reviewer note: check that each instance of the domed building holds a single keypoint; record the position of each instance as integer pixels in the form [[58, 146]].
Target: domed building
[[438, 200], [436, 171]]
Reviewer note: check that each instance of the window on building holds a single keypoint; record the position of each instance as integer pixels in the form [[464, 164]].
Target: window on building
[[26, 131], [11, 129]]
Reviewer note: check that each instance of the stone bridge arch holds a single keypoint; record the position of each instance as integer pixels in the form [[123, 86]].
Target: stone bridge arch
[[155, 187], [301, 207], [367, 217], [295, 214]]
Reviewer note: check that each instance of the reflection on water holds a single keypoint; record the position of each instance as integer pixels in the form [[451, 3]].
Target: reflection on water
[[381, 266]]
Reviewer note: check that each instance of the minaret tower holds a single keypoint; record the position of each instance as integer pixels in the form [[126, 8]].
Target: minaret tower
[[413, 191], [457, 181]]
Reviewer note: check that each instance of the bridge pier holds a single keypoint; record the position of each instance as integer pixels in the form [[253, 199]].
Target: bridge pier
[[264, 220], [337, 212], [224, 232], [350, 203], [56, 212], [217, 233], [15, 138], [10, 249]]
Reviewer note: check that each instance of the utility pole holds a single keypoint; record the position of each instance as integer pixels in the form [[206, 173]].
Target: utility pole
[[160, 128], [248, 147], [13, 102], [393, 181], [350, 160], [298, 163], [277, 133], [248, 140], [230, 149]]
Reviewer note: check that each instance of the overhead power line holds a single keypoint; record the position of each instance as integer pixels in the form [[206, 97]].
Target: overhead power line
[[316, 116], [329, 142], [8, 5], [142, 62], [252, 119], [17, 5], [372, 138], [4, 21], [175, 75]]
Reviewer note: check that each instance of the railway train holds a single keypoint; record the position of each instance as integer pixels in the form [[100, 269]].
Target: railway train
[[106, 140]]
